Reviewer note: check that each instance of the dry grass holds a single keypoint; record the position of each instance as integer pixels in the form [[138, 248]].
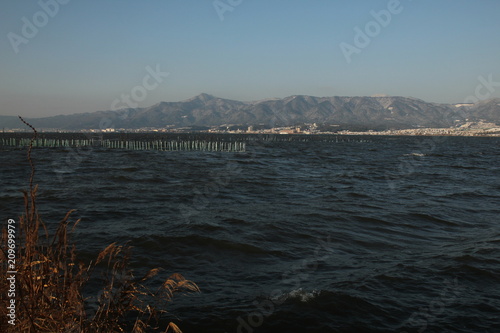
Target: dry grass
[[50, 281]]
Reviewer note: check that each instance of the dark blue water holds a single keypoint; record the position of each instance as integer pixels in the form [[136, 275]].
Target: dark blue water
[[378, 234]]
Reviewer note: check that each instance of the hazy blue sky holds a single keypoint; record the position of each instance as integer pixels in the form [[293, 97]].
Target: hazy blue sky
[[86, 54]]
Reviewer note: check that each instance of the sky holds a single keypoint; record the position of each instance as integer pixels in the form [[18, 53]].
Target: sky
[[73, 56]]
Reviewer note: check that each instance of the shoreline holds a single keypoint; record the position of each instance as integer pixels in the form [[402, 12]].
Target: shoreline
[[469, 130]]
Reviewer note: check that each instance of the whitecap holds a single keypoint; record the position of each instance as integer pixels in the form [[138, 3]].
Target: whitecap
[[297, 294]]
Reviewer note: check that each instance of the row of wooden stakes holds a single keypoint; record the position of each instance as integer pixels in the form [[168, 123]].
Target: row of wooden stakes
[[162, 145]]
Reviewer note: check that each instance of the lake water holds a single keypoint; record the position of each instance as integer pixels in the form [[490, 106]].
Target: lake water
[[362, 234]]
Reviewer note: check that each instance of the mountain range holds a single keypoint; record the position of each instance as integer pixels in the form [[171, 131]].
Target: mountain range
[[202, 111]]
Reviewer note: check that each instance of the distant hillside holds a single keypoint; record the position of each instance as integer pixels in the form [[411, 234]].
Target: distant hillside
[[205, 110]]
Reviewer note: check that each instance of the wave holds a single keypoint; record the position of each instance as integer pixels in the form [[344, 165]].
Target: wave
[[433, 219], [157, 242], [296, 295]]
